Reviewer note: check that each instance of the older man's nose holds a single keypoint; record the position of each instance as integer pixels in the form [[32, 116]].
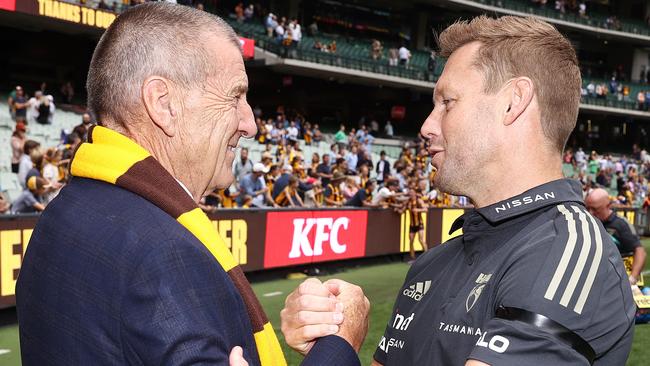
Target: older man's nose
[[247, 124]]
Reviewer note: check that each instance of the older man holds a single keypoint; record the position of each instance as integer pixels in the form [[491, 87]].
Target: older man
[[624, 234], [534, 279], [123, 266]]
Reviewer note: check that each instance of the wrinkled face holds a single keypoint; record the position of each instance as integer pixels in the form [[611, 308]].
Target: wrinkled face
[[458, 130], [216, 116]]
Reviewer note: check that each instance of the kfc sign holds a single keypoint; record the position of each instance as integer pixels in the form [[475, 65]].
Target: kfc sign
[[314, 236]]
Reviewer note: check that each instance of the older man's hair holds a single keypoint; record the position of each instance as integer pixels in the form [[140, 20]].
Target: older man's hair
[[516, 46], [158, 38]]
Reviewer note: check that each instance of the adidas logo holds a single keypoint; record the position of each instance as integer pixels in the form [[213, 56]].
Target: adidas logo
[[417, 290]]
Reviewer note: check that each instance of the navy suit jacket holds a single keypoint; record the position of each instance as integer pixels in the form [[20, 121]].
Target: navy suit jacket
[[110, 279]]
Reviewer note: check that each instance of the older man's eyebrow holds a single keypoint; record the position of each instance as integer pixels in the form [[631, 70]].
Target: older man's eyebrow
[[239, 89]]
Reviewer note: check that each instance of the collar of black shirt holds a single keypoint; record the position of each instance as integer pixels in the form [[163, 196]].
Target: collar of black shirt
[[547, 194]]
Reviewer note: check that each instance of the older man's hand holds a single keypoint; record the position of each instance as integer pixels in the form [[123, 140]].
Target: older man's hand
[[316, 310], [237, 357], [311, 311], [356, 309]]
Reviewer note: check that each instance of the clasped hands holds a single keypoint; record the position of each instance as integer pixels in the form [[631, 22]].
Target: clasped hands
[[317, 309]]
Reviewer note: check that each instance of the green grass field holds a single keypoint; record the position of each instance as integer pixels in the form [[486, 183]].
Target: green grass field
[[380, 283]]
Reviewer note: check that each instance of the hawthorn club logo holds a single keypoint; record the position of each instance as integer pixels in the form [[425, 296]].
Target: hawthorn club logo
[[473, 296]]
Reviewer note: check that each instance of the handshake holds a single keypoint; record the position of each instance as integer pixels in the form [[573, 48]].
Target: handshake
[[317, 309]]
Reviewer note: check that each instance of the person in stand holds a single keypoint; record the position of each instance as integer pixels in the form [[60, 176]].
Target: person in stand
[[18, 138], [623, 233], [333, 196]]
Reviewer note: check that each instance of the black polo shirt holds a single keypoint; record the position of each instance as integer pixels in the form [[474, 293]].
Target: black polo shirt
[[623, 233], [539, 255]]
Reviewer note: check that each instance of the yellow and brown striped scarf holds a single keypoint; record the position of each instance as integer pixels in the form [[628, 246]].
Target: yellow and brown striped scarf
[[113, 158]]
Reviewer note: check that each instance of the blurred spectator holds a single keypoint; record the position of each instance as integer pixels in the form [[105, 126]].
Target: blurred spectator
[[383, 168], [340, 136], [289, 196], [249, 12], [393, 56], [404, 56], [243, 166], [37, 164], [10, 102], [352, 157], [30, 200], [82, 128], [349, 187], [324, 170], [296, 32], [279, 30], [239, 12], [582, 10], [313, 29], [376, 50], [318, 135], [20, 105], [271, 23], [17, 143], [292, 132], [51, 173], [67, 90], [388, 129], [416, 209], [254, 186], [314, 196], [333, 196], [25, 164], [432, 64], [363, 197]]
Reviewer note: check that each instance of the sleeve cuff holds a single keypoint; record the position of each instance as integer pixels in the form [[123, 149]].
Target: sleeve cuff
[[331, 350]]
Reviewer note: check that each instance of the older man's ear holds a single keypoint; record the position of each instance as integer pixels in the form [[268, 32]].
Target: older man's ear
[[158, 103]]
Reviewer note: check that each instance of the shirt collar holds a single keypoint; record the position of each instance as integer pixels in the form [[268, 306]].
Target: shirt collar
[[554, 192], [185, 188]]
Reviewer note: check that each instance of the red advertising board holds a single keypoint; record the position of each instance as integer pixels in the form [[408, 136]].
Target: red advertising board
[[301, 237], [8, 5], [247, 47]]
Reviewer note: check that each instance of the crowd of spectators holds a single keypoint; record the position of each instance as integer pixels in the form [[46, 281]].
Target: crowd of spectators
[[40, 171], [344, 176], [615, 88], [625, 177], [39, 108]]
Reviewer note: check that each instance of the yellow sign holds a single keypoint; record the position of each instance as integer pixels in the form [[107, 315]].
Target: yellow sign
[[404, 239], [75, 13], [234, 233], [13, 244], [627, 262], [642, 301], [448, 218], [12, 248]]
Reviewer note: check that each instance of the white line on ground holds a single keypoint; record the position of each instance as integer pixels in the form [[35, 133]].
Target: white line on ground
[[271, 294], [4, 351]]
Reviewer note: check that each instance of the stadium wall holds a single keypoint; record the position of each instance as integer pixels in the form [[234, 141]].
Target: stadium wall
[[266, 239]]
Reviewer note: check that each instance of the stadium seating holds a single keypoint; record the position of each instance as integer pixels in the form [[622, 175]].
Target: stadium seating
[[612, 100], [350, 53], [47, 135], [593, 19]]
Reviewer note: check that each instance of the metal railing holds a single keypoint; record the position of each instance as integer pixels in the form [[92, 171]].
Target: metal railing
[[548, 11]]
